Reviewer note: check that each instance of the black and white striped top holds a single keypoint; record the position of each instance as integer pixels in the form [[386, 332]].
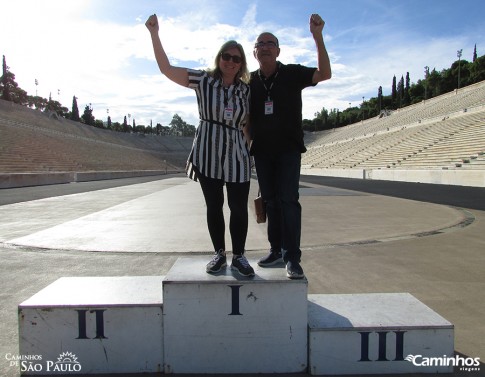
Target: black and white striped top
[[219, 149]]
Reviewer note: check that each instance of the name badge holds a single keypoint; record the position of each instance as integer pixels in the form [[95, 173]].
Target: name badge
[[268, 108], [228, 113]]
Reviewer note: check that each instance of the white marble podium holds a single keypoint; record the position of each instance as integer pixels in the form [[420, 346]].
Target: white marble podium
[[109, 324], [374, 333], [231, 324], [193, 322]]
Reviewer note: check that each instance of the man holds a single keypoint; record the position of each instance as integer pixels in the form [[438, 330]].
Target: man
[[276, 117]]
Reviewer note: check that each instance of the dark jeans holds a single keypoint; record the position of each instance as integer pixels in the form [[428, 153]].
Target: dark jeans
[[278, 178], [237, 200]]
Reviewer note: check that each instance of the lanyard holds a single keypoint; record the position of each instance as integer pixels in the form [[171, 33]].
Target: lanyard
[[268, 90], [226, 96]]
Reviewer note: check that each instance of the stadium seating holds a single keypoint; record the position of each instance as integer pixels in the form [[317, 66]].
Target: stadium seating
[[33, 141], [442, 133], [446, 132]]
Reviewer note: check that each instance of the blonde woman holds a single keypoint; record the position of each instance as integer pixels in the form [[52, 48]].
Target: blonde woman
[[220, 152]]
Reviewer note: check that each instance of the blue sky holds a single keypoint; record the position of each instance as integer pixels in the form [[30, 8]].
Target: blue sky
[[100, 50]]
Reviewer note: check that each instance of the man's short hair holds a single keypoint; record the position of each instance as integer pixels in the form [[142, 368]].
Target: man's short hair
[[268, 33]]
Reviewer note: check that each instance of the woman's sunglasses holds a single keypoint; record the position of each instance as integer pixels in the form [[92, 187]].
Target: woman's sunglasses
[[227, 57]]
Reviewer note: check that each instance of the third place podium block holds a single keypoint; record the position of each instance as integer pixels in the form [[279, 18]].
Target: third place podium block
[[227, 323], [376, 333]]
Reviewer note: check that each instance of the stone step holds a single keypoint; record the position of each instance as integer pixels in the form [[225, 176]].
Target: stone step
[[232, 324], [101, 324], [375, 334]]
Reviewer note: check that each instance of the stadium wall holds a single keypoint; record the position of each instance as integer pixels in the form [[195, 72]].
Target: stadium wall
[[475, 178], [12, 180]]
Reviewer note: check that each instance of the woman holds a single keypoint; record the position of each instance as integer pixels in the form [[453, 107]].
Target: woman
[[220, 153]]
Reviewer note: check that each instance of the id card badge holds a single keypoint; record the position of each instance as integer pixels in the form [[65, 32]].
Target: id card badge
[[228, 113], [268, 108]]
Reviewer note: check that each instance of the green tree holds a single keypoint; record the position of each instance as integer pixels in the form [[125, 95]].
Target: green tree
[[56, 107], [87, 117], [117, 126], [38, 102], [394, 89], [319, 124], [125, 125], [140, 129], [379, 96], [321, 120], [400, 92], [178, 127], [372, 107], [477, 70], [75, 110], [434, 83], [5, 82], [162, 130], [307, 125], [407, 98], [10, 91], [417, 92]]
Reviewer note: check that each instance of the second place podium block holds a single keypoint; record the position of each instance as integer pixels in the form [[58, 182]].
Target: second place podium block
[[93, 325]]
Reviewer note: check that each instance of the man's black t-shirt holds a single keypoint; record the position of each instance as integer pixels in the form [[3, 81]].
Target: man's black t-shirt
[[276, 109]]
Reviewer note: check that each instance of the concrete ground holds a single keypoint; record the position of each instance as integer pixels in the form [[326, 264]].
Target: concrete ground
[[358, 237]]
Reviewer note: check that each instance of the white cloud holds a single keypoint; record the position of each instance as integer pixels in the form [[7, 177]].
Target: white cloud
[[95, 60], [110, 63]]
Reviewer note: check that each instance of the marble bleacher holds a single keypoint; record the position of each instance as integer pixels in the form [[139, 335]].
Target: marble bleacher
[[31, 142], [446, 132]]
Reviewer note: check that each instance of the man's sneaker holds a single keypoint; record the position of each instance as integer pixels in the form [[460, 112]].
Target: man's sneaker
[[271, 259], [217, 263], [294, 270], [241, 265]]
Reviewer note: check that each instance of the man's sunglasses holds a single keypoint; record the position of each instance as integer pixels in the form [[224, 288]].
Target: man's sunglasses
[[227, 57]]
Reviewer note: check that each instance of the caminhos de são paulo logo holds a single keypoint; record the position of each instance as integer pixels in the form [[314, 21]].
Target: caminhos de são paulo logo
[[66, 362]]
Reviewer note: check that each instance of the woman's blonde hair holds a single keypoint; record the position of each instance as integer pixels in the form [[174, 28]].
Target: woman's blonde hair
[[242, 74]]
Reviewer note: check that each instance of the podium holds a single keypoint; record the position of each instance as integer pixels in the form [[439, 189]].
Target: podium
[[374, 334], [93, 325], [193, 322], [227, 323]]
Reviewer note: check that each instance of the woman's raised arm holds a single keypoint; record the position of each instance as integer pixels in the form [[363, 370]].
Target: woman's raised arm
[[178, 75]]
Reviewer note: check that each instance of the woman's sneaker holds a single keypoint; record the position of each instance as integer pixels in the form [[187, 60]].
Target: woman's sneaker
[[241, 265], [217, 263]]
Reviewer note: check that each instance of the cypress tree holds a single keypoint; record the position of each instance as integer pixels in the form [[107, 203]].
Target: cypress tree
[[75, 110], [4, 82], [379, 96], [394, 91]]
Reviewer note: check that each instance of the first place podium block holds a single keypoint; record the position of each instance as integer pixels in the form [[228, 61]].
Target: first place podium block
[[91, 325], [227, 323]]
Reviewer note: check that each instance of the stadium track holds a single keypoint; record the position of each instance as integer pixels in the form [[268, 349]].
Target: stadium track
[[359, 237], [458, 196]]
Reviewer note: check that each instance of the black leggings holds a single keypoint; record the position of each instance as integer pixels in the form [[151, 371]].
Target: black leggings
[[237, 199]]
